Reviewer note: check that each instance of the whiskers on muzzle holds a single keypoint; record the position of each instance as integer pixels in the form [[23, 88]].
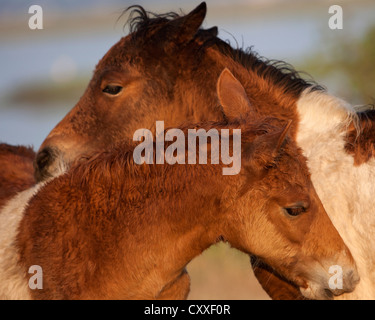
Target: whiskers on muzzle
[[326, 283]]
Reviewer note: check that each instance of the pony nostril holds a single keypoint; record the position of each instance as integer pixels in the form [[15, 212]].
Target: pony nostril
[[43, 158], [42, 162], [329, 294], [351, 280]]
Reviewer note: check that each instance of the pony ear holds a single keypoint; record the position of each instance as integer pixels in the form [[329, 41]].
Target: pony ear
[[206, 34], [280, 137], [213, 31], [232, 97], [190, 23], [262, 152]]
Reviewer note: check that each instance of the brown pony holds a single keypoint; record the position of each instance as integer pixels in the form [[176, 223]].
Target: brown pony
[[112, 229], [16, 170], [166, 69]]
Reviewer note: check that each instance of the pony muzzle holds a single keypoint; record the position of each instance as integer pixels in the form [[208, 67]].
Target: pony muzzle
[[328, 282], [48, 163]]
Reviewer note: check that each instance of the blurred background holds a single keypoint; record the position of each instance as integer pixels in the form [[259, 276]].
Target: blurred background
[[43, 73]]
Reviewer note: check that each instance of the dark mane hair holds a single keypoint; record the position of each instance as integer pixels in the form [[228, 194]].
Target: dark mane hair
[[143, 23], [278, 71], [140, 19]]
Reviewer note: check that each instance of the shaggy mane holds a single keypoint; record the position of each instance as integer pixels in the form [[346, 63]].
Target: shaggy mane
[[143, 24]]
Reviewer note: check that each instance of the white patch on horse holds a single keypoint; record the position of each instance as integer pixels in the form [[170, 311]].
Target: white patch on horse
[[346, 191], [13, 283]]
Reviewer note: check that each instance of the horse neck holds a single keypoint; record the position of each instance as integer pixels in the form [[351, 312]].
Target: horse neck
[[176, 221], [139, 226], [188, 205]]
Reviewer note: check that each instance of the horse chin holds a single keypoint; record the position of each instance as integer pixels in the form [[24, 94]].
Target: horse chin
[[314, 291]]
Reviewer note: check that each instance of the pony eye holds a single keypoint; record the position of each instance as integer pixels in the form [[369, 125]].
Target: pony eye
[[294, 211], [112, 89]]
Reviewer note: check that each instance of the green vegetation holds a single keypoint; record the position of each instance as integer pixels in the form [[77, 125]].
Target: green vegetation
[[349, 66]]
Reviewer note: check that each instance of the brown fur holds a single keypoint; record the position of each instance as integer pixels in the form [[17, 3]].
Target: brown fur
[[16, 170], [168, 69], [361, 145], [112, 229]]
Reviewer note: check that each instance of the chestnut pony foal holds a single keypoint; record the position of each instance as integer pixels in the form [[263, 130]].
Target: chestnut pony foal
[[112, 229]]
